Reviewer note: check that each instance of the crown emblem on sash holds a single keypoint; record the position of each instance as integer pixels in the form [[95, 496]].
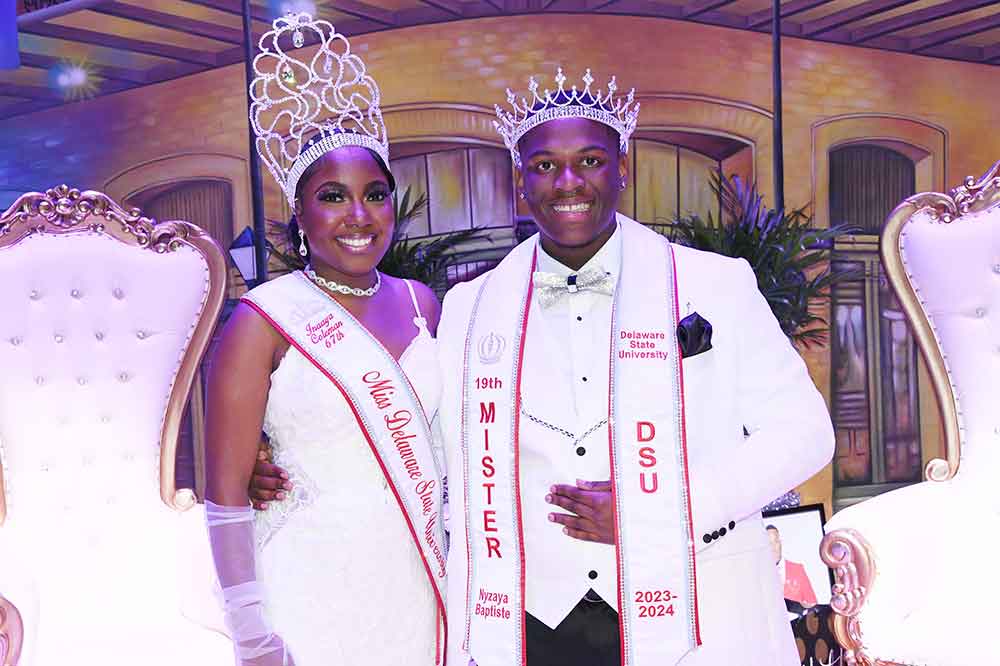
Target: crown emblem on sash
[[491, 348]]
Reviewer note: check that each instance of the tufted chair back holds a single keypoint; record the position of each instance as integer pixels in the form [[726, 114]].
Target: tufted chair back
[[104, 318], [944, 253], [942, 256]]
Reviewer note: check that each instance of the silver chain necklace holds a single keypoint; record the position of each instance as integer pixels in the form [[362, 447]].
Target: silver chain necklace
[[565, 433], [342, 288]]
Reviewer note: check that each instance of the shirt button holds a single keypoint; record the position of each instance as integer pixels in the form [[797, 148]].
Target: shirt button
[[579, 318], [580, 451], [584, 379], [592, 575]]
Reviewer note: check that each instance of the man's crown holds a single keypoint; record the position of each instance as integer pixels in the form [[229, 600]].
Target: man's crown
[[620, 114], [303, 109]]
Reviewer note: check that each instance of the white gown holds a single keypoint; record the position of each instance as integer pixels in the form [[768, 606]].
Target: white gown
[[343, 580]]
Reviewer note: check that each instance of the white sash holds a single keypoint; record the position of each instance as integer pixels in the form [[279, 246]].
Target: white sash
[[647, 446], [384, 403]]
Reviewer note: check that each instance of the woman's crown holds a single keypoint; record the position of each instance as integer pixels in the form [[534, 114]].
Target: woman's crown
[[302, 109]]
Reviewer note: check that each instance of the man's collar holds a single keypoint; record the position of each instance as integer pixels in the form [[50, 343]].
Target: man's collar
[[608, 257]]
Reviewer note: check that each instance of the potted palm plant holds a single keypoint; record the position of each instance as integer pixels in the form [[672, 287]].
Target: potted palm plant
[[790, 257]]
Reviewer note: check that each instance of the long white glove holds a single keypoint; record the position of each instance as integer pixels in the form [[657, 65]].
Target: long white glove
[[230, 531]]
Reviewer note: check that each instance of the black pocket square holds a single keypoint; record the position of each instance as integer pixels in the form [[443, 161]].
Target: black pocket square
[[694, 334]]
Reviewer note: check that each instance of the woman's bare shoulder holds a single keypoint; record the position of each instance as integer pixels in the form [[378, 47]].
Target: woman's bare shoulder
[[247, 339]]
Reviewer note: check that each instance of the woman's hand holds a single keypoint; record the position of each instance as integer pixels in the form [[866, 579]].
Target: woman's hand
[[268, 482]]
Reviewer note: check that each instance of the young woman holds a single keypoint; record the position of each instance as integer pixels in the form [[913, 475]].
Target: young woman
[[337, 365]]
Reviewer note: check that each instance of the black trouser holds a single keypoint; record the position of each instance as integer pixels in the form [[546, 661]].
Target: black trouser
[[588, 636]]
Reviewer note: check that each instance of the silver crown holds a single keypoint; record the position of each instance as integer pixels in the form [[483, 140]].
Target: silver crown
[[620, 114], [302, 110]]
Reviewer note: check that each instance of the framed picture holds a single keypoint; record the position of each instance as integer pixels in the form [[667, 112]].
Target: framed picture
[[795, 535], [806, 582]]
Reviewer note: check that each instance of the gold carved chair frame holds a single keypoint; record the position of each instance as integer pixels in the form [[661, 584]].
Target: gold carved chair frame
[[845, 551]]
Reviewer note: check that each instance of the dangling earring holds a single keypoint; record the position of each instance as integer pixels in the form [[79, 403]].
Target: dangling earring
[[302, 243], [522, 195], [623, 184]]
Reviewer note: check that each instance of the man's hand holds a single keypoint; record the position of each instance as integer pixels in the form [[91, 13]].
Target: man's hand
[[591, 502], [269, 481]]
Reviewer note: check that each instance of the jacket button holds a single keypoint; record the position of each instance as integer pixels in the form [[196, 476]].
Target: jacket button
[[715, 535], [580, 451], [707, 538], [722, 531], [732, 524], [592, 575]]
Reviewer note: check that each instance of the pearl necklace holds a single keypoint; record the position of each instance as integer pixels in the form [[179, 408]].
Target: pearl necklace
[[344, 289]]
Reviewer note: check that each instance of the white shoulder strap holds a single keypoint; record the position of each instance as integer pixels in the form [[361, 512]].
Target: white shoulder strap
[[413, 297]]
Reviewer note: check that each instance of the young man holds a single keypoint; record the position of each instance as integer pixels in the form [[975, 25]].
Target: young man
[[563, 367]]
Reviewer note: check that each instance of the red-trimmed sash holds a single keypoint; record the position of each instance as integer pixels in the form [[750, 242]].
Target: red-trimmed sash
[[647, 446], [384, 403]]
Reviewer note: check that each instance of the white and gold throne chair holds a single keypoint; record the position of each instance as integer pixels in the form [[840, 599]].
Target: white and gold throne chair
[[104, 318], [915, 568]]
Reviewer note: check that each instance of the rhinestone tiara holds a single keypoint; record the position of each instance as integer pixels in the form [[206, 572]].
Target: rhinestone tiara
[[620, 114], [302, 109]]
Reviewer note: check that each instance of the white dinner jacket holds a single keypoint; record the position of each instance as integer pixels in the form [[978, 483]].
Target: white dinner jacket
[[752, 377]]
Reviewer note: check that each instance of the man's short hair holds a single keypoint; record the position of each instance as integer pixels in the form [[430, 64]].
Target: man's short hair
[[772, 527]]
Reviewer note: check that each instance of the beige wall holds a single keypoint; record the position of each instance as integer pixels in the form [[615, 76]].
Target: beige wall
[[440, 83]]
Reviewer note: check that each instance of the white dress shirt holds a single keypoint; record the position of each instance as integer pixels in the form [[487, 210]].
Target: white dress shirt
[[565, 386]]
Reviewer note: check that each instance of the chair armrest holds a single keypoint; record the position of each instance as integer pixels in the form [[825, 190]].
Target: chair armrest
[[852, 560], [11, 633]]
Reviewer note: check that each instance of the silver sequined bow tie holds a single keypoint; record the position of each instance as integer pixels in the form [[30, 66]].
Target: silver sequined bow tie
[[550, 287]]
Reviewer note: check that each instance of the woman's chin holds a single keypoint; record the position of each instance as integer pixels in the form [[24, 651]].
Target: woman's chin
[[353, 264]]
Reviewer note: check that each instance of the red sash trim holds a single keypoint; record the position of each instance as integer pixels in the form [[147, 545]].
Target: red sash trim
[[517, 450], [684, 458]]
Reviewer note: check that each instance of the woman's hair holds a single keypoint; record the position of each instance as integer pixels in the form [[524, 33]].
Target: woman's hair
[[293, 223]]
